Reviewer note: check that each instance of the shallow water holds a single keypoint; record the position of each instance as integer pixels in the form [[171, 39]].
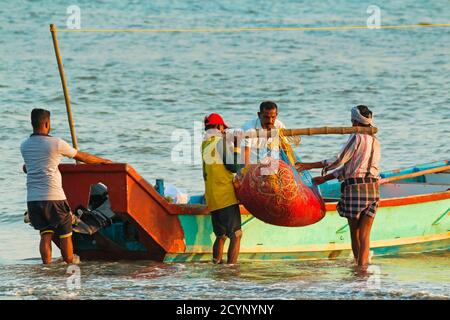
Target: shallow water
[[408, 277], [131, 91]]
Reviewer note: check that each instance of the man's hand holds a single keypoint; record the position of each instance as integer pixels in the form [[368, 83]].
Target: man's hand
[[90, 159], [237, 182], [319, 180], [300, 166], [323, 179]]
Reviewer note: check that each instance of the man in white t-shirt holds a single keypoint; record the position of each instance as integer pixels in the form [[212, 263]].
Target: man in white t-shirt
[[255, 149], [47, 205]]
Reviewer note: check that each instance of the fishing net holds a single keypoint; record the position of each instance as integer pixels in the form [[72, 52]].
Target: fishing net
[[274, 192]]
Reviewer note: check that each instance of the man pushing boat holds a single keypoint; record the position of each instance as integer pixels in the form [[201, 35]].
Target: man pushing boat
[[48, 209], [359, 172]]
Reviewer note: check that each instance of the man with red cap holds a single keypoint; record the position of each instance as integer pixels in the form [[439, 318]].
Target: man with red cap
[[218, 174]]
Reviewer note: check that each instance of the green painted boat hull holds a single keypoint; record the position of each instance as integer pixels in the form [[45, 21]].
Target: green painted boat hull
[[411, 228]]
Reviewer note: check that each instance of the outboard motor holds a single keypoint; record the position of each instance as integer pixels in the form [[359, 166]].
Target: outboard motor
[[98, 215]]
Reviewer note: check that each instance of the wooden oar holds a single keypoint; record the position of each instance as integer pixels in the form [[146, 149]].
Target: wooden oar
[[256, 133], [414, 174]]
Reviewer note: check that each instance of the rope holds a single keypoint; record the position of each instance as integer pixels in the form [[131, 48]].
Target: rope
[[235, 30], [285, 145]]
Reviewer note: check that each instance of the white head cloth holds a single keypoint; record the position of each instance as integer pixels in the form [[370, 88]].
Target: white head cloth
[[357, 116]]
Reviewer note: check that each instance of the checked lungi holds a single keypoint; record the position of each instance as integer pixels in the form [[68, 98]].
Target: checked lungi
[[359, 196]]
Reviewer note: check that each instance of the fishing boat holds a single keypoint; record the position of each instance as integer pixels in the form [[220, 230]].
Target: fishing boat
[[142, 223], [129, 218]]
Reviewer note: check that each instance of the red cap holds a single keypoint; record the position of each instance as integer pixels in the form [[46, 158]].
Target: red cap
[[214, 118]]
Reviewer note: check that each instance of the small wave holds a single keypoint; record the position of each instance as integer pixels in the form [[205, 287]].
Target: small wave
[[146, 99], [170, 100], [87, 77], [110, 64], [11, 218], [138, 150], [55, 99], [411, 294], [102, 113]]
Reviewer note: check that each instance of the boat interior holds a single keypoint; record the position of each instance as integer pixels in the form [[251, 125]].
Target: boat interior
[[426, 184]]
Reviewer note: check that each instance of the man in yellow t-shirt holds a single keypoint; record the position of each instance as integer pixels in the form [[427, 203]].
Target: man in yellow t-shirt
[[218, 174]]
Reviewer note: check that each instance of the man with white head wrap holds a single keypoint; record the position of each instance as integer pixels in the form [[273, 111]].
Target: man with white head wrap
[[358, 168], [358, 117]]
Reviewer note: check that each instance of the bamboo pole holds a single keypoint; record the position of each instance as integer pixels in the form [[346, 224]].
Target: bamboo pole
[[329, 130], [64, 86], [256, 133], [415, 174]]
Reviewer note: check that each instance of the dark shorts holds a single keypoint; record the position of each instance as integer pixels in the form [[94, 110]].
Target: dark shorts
[[51, 217], [226, 221]]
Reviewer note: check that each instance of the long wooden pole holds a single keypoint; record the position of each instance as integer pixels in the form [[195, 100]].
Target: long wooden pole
[[256, 133], [414, 174], [329, 130], [64, 86]]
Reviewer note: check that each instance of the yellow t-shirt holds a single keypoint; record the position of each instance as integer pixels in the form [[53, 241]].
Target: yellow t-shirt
[[219, 190]]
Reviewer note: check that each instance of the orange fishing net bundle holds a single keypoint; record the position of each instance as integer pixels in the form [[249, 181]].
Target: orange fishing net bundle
[[271, 192]]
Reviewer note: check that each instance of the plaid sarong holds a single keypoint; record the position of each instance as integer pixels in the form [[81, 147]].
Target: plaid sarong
[[359, 196]]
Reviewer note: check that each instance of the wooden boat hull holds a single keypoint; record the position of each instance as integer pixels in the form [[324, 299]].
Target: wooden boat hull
[[408, 228], [150, 228]]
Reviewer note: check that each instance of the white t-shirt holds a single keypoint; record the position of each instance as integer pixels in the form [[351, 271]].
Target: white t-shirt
[[42, 155], [259, 144]]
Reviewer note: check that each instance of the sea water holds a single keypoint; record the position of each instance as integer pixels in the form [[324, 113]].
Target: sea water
[[132, 91]]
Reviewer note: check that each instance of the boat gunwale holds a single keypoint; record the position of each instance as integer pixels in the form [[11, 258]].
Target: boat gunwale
[[199, 209]]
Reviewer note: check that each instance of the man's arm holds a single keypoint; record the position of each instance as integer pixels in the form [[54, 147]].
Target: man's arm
[[344, 155], [90, 158], [302, 166], [66, 150], [323, 179]]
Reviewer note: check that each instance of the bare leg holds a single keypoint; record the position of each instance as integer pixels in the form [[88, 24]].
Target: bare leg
[[218, 249], [233, 249], [354, 234], [45, 248], [365, 226], [66, 249]]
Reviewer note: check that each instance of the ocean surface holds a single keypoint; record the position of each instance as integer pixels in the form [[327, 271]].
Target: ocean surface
[[133, 94]]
